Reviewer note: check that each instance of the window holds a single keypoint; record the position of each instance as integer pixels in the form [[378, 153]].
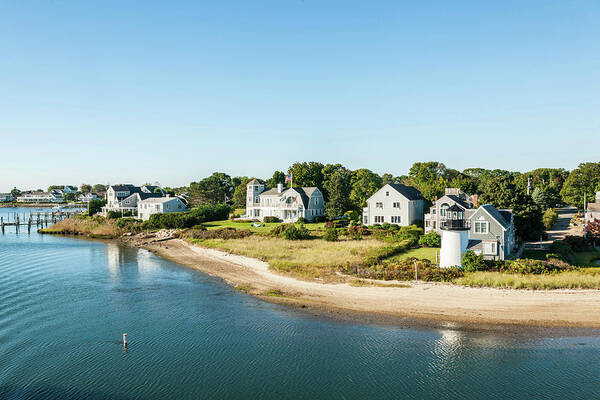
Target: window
[[379, 205], [395, 219], [378, 219], [433, 211], [365, 220], [387, 193], [396, 205], [490, 248], [481, 227], [443, 209]]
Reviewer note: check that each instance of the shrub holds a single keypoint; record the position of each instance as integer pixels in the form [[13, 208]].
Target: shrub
[[211, 212], [171, 221], [329, 224], [577, 243], [398, 234], [432, 239], [302, 220], [320, 219], [234, 216], [113, 214], [549, 218], [224, 233], [405, 270], [291, 231], [128, 224], [473, 262], [357, 232], [526, 266], [271, 219], [331, 235], [296, 232]]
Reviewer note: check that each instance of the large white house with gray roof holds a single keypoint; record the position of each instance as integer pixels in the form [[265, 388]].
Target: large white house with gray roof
[[395, 204], [159, 205], [287, 204], [124, 198]]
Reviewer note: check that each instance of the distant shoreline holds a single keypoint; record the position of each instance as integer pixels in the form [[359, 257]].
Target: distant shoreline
[[431, 304]]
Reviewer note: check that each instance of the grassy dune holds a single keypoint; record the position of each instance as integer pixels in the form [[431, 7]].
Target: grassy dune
[[304, 258], [87, 227], [588, 278]]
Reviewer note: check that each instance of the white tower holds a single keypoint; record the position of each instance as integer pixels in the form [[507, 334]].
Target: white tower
[[455, 237]]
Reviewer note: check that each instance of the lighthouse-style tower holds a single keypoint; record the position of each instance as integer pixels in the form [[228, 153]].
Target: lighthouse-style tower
[[455, 237]]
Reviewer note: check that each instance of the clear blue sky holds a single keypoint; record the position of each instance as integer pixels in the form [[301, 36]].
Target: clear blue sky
[[170, 91]]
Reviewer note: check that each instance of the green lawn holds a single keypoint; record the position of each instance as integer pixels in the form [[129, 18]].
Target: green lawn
[[265, 228], [421, 253]]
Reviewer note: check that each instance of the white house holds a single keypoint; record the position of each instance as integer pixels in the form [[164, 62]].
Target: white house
[[5, 197], [159, 205], [395, 204], [125, 198], [287, 204], [87, 197], [593, 209], [52, 196]]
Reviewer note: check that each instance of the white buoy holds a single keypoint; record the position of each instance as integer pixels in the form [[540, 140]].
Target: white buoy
[[125, 339]]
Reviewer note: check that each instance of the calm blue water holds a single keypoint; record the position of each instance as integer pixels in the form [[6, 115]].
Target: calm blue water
[[64, 304]]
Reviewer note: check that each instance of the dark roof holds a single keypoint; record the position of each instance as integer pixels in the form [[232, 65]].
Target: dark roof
[[407, 191], [125, 187], [455, 207], [255, 182], [458, 200], [497, 215], [474, 244]]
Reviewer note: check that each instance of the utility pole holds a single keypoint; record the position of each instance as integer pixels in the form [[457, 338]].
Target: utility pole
[[528, 186], [585, 215]]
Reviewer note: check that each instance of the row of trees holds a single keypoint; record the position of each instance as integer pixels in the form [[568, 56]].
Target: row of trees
[[346, 190]]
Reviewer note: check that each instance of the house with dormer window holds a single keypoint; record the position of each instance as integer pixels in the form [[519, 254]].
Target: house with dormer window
[[287, 204]]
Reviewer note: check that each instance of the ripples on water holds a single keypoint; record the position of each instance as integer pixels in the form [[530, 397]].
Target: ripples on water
[[65, 303]]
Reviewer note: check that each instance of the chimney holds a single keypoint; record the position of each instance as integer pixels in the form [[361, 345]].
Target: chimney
[[279, 187], [475, 200]]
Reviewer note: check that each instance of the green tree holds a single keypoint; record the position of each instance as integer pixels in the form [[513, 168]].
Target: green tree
[[95, 206], [585, 179], [364, 183], [239, 195], [549, 218], [15, 192], [499, 191], [85, 188], [338, 188], [215, 189], [278, 177], [527, 217], [540, 198], [98, 187], [307, 174]]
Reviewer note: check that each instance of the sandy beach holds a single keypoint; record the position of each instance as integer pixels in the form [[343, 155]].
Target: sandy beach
[[429, 302]]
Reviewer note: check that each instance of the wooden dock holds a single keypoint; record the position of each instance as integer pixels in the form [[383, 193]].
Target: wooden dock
[[34, 219]]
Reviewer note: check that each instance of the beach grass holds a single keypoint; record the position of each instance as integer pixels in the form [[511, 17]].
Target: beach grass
[[84, 226], [314, 258], [587, 278]]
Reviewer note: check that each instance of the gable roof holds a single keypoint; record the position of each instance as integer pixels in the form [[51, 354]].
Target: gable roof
[[495, 214], [123, 187], [458, 200], [409, 192], [255, 182], [305, 193], [156, 200]]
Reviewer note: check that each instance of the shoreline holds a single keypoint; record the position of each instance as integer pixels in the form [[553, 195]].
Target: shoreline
[[419, 303]]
